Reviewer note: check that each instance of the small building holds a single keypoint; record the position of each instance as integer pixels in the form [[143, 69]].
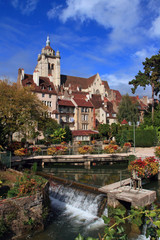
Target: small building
[[83, 135]]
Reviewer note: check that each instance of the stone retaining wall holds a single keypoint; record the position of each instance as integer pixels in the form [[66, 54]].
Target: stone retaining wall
[[20, 216]]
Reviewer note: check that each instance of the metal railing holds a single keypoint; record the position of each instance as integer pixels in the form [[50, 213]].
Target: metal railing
[[5, 159]]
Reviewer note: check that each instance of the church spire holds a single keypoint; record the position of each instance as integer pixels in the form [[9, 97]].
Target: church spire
[[48, 41]]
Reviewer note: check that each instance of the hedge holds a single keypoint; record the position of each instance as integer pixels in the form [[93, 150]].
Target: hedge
[[143, 138]]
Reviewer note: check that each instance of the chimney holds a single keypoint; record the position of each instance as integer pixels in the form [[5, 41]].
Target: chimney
[[36, 77]]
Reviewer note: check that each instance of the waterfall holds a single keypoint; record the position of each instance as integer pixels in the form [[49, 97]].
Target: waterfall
[[82, 206]]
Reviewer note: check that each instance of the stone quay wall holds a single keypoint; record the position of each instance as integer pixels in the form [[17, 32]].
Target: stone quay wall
[[21, 216]]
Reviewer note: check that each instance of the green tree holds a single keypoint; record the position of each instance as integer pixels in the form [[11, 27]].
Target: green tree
[[148, 114], [104, 130], [127, 110], [48, 126], [20, 109], [58, 136], [68, 135], [150, 77]]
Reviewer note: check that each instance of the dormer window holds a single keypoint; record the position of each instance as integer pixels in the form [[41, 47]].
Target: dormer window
[[42, 87], [49, 88]]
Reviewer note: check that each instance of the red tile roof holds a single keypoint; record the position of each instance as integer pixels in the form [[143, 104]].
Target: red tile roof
[[83, 103], [118, 96], [68, 103], [81, 95], [124, 121], [75, 82], [48, 47], [83, 132], [43, 82], [55, 112], [97, 101]]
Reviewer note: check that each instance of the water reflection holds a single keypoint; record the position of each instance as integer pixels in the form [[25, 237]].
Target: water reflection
[[96, 176]]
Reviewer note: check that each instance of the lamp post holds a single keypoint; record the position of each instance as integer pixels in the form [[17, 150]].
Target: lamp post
[[134, 132]]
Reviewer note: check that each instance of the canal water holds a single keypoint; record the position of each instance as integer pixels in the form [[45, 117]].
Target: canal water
[[74, 211]]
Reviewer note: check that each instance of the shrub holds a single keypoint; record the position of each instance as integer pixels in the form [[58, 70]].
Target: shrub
[[57, 150], [105, 141], [27, 185], [14, 146], [157, 152], [85, 149], [36, 149], [145, 167], [145, 138], [93, 142], [126, 147], [63, 143], [21, 152], [111, 148]]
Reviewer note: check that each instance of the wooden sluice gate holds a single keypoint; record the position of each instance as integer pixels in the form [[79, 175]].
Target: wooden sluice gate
[[124, 192]]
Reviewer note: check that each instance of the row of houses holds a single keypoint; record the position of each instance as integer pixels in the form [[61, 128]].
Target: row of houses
[[80, 103]]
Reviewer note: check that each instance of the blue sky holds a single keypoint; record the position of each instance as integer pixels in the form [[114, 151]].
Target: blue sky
[[104, 36]]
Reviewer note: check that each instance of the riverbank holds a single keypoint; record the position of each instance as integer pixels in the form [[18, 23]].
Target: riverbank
[[24, 205]]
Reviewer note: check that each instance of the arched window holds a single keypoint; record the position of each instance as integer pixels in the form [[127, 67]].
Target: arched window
[[97, 91], [52, 66]]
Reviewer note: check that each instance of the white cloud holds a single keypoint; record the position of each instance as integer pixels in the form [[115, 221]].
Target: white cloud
[[142, 54], [26, 7], [155, 29], [119, 17], [120, 82], [116, 79], [54, 11]]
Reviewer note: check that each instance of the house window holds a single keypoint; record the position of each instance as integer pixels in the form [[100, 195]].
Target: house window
[[49, 88], [49, 104], [84, 117], [56, 116], [50, 95], [84, 126], [49, 114], [43, 95], [107, 114]]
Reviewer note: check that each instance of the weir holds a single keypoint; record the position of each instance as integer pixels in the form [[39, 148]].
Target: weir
[[81, 196], [111, 194]]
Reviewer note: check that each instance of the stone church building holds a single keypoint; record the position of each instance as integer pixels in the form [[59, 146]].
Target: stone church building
[[80, 103]]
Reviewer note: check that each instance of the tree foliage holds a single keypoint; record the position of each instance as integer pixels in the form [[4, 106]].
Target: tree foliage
[[150, 77], [104, 130], [115, 224], [128, 110], [68, 135], [148, 114], [48, 126], [20, 109]]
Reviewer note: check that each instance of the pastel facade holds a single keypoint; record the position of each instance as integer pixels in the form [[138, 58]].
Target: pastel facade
[[80, 103]]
